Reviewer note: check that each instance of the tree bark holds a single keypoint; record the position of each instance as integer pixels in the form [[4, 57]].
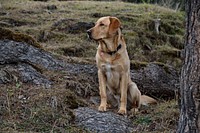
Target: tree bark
[[189, 120]]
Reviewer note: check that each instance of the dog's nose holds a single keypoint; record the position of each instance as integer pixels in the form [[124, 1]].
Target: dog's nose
[[89, 32]]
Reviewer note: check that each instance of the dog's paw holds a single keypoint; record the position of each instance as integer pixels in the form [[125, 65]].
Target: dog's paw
[[102, 108], [122, 111], [134, 110]]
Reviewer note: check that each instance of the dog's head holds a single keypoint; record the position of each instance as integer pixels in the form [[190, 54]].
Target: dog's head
[[105, 27]]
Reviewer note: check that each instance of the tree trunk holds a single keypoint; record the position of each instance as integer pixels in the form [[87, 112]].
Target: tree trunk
[[189, 120]]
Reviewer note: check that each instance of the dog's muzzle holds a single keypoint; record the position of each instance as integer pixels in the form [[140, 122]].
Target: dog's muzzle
[[89, 33]]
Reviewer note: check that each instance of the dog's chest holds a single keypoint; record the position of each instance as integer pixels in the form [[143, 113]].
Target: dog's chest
[[112, 73], [109, 71]]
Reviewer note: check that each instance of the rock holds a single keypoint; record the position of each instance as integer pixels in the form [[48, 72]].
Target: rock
[[18, 52], [106, 122], [20, 61], [29, 74], [157, 81], [24, 73]]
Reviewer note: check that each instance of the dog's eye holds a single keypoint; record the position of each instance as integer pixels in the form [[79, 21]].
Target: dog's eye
[[101, 24]]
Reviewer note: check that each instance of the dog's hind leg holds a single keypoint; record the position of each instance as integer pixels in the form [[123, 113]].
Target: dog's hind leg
[[134, 96]]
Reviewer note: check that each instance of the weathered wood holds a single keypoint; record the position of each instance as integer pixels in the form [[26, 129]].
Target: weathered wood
[[189, 121]]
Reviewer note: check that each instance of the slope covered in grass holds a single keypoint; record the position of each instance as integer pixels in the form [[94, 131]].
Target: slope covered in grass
[[61, 27]]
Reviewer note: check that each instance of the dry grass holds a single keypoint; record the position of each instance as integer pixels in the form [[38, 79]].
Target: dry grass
[[159, 118], [28, 108]]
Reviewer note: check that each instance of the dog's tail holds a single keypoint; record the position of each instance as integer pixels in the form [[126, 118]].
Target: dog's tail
[[145, 100]]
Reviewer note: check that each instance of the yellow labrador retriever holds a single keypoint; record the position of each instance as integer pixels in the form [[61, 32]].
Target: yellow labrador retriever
[[114, 65]]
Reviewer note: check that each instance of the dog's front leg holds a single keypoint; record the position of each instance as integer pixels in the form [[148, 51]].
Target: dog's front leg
[[123, 91], [102, 89]]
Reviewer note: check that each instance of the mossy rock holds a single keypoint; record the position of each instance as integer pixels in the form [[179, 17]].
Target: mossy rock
[[19, 37]]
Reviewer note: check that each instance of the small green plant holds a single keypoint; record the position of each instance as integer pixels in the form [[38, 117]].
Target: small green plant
[[18, 85], [143, 120]]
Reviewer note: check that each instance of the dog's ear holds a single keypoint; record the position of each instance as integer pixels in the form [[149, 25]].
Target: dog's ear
[[114, 25]]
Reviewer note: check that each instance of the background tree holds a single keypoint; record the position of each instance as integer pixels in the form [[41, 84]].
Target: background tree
[[189, 120]]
